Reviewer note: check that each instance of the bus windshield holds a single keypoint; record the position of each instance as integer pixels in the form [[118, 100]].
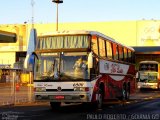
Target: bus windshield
[[151, 67], [148, 77], [61, 66]]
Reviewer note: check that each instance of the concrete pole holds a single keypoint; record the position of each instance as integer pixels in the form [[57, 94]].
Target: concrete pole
[[30, 87], [13, 93], [57, 19]]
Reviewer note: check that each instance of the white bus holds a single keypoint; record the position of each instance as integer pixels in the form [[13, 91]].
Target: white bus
[[82, 66], [148, 75]]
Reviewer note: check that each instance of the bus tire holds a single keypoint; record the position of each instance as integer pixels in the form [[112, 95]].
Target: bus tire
[[55, 105], [125, 93], [99, 102]]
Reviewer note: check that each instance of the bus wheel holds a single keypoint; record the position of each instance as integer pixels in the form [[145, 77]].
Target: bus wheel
[[55, 105], [99, 99], [123, 94]]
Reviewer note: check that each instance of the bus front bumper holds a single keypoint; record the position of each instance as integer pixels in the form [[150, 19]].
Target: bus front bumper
[[148, 85], [62, 96]]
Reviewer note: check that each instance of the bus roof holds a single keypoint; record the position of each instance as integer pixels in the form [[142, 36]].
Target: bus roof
[[149, 62], [78, 32]]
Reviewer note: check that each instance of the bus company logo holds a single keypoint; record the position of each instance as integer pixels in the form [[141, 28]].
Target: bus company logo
[[116, 68], [113, 68], [106, 66], [59, 88], [39, 85], [47, 85], [78, 84], [119, 70]]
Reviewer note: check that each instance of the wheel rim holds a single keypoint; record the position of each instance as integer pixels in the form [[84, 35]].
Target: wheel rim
[[127, 95], [123, 94]]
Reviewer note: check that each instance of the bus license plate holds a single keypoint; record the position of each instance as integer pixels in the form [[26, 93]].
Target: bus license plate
[[59, 97]]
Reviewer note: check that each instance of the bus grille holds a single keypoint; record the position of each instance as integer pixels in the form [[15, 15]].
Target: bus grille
[[48, 90]]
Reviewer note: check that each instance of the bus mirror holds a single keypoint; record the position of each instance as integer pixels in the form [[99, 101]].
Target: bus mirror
[[137, 76], [29, 60], [90, 60]]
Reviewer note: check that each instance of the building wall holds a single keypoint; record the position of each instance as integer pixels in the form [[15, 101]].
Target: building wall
[[131, 33], [121, 31], [8, 50], [148, 33], [7, 58], [21, 43]]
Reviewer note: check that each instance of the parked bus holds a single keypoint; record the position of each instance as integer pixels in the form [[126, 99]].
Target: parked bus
[[148, 75], [82, 66]]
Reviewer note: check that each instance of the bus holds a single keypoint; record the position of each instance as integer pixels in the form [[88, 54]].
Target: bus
[[82, 67], [148, 75]]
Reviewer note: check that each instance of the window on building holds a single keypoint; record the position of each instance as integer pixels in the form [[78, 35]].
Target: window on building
[[7, 37]]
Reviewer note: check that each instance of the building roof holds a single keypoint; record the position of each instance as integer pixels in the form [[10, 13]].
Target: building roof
[[147, 50], [149, 62]]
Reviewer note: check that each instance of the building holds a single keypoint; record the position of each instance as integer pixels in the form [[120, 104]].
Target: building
[[143, 35]]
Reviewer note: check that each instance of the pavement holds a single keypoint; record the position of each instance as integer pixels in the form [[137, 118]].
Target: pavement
[[13, 96], [23, 96], [5, 85]]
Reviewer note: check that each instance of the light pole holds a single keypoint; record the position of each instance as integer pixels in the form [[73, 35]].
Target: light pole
[[57, 2]]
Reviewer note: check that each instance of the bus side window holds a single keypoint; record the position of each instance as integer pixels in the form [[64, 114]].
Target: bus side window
[[109, 49], [102, 51], [125, 55], [94, 44], [120, 53], [129, 56], [115, 51], [95, 69], [133, 57]]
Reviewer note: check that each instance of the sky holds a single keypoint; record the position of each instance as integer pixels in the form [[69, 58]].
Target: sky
[[20, 11]]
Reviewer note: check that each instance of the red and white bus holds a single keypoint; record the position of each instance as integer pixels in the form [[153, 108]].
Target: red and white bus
[[82, 66]]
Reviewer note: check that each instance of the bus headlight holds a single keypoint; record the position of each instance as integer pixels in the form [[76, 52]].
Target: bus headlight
[[81, 89], [40, 89]]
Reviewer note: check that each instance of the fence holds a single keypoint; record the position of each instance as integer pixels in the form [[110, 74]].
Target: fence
[[15, 87]]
